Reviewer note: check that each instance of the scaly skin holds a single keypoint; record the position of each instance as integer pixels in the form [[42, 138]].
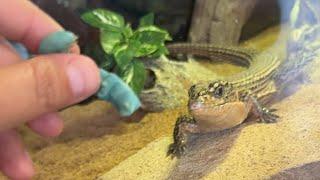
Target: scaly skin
[[225, 103]]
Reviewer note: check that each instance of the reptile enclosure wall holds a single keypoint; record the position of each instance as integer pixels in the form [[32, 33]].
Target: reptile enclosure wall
[[214, 21]]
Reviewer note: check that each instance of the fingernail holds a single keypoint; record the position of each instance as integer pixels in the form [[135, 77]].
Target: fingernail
[[83, 77], [57, 42]]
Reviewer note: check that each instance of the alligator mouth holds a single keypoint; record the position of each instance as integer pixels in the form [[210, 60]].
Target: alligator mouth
[[209, 110], [198, 106], [206, 112]]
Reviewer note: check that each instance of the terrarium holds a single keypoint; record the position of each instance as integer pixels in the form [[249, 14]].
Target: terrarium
[[224, 90]]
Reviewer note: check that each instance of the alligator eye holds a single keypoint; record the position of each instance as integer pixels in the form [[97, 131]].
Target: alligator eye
[[218, 92], [218, 88]]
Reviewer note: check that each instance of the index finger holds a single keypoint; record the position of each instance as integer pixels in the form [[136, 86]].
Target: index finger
[[22, 21]]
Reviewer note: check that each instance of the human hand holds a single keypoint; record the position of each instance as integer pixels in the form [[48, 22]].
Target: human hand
[[32, 91]]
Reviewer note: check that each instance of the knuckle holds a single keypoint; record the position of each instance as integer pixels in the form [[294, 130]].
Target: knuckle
[[47, 84]]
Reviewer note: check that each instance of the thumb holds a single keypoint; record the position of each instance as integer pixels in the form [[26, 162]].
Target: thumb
[[44, 84]]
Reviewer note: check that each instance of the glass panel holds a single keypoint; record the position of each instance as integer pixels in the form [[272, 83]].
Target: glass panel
[[228, 90]]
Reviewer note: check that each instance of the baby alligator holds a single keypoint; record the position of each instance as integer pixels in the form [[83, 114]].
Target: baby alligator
[[225, 103]]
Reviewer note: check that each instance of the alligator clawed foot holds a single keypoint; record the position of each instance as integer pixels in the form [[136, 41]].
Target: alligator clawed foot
[[268, 115], [176, 150], [184, 125]]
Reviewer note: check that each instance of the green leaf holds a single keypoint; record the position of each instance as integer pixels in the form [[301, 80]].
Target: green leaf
[[146, 49], [108, 63], [123, 55], [101, 18], [155, 29], [134, 75], [127, 31], [147, 20], [141, 49], [109, 39], [96, 52], [162, 50], [151, 39]]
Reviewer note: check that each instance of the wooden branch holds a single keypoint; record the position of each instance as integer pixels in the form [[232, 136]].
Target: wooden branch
[[219, 21]]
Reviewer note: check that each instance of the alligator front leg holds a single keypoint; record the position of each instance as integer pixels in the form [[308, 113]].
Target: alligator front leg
[[265, 115], [183, 126]]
